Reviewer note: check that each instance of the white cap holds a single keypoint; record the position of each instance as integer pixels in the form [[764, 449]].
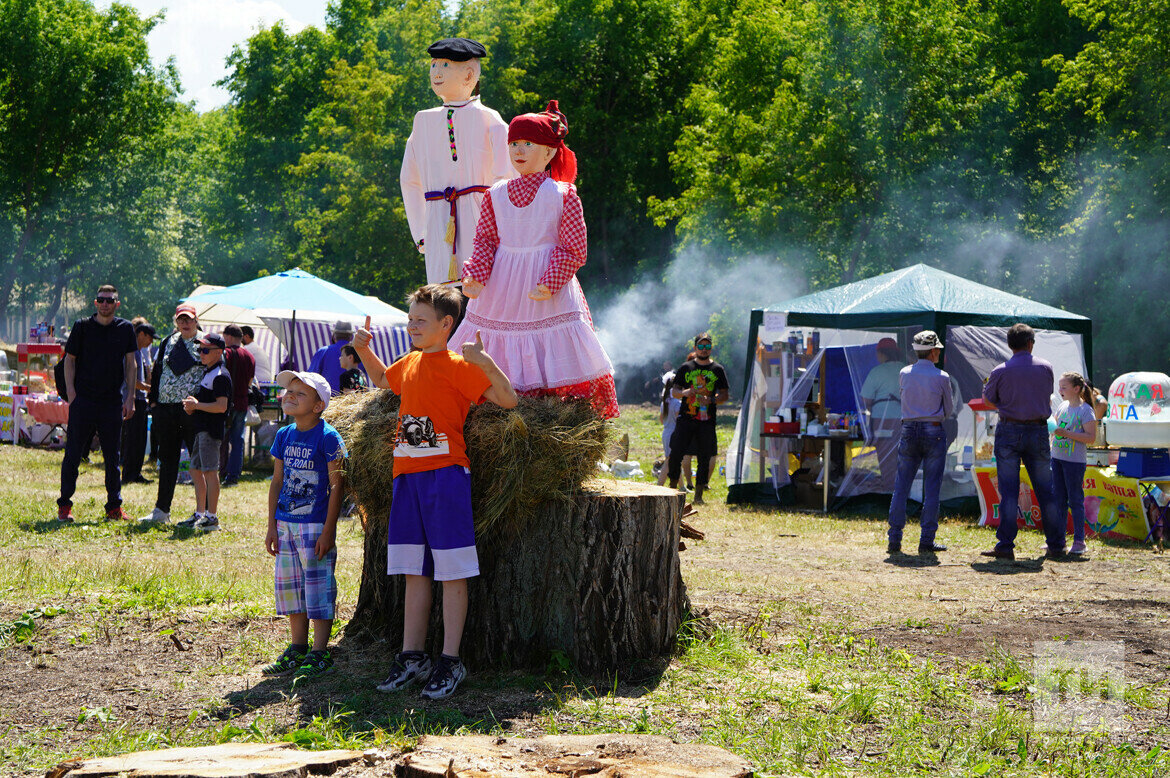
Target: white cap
[[315, 380]]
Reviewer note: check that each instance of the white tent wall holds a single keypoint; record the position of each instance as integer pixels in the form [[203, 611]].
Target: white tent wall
[[971, 353]]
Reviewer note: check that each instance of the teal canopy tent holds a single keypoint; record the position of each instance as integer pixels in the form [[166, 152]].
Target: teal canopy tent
[[970, 318]]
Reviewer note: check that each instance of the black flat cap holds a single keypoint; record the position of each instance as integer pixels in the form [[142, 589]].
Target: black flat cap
[[456, 49]]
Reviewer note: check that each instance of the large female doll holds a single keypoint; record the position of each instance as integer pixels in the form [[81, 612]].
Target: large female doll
[[521, 279]]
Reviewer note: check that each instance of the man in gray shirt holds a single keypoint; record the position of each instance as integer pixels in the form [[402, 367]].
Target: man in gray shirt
[[1021, 389], [927, 402]]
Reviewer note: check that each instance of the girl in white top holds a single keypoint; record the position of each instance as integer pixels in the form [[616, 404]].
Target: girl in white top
[[1076, 427]]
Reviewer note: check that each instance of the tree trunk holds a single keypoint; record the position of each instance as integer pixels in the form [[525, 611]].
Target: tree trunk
[[595, 581]]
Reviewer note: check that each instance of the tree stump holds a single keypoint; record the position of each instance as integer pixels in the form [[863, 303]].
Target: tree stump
[[229, 760], [608, 756], [595, 579]]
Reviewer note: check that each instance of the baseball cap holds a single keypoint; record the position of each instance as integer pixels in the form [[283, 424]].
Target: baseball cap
[[148, 329], [185, 309], [925, 341], [315, 380], [213, 339]]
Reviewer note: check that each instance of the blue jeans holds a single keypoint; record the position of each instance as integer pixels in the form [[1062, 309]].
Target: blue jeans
[[1068, 482], [1026, 444], [231, 453], [922, 443]]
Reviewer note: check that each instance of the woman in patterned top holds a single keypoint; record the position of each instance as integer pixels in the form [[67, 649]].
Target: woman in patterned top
[[521, 278]]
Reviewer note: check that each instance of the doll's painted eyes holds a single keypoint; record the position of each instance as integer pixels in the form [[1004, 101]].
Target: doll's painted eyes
[[518, 143]]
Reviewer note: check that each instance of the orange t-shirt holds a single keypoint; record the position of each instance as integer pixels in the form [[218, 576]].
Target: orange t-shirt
[[436, 391]]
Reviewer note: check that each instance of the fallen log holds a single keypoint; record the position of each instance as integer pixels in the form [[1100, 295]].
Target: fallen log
[[227, 760], [608, 756]]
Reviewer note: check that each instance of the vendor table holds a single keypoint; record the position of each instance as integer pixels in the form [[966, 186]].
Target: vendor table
[[826, 456]]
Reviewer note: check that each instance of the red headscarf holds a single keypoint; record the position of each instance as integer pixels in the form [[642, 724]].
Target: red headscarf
[[548, 129]]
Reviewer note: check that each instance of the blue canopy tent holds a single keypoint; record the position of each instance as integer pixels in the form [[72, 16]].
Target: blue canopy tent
[[301, 308], [971, 319]]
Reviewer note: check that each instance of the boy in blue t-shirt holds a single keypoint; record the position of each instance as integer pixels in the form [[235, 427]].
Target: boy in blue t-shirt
[[303, 503]]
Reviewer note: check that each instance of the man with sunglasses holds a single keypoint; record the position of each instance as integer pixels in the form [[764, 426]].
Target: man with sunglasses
[[99, 382], [701, 384]]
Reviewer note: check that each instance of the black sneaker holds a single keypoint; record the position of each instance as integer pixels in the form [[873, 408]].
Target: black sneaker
[[893, 549], [448, 673], [190, 523], [407, 667], [314, 665], [290, 660], [931, 548]]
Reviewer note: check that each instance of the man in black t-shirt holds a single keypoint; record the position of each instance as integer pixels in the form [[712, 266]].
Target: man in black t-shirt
[[99, 382], [701, 384]]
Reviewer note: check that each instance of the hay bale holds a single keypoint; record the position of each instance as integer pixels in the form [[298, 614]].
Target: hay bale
[[541, 451]]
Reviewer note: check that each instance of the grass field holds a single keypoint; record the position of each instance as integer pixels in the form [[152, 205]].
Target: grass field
[[810, 652]]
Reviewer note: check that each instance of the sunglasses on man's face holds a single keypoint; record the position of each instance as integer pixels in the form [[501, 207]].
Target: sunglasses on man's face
[[702, 347], [107, 300], [207, 349]]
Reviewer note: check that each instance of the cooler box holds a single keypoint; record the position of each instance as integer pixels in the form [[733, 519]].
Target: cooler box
[[1143, 462]]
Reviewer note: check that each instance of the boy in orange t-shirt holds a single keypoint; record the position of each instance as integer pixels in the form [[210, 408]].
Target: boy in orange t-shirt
[[431, 534]]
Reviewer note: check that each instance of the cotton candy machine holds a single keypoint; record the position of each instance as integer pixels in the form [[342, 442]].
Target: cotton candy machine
[[1138, 422]]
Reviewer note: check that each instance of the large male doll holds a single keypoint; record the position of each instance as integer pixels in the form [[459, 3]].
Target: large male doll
[[454, 153]]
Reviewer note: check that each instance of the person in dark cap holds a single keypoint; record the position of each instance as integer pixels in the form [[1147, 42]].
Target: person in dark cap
[[134, 428], [454, 153], [208, 407]]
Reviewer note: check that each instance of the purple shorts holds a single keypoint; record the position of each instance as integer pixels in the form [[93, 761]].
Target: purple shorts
[[431, 530]]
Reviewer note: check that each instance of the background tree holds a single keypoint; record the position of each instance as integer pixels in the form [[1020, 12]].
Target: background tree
[[77, 91]]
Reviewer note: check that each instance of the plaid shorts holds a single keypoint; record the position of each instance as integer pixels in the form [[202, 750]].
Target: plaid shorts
[[304, 584]]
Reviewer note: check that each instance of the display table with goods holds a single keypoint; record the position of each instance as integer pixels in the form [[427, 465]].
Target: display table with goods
[[1127, 483]]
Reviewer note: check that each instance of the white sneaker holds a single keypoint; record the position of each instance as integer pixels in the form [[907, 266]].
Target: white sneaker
[[157, 517], [208, 522]]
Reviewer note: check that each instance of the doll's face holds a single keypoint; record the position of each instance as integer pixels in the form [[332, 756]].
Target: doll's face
[[453, 81], [528, 157]]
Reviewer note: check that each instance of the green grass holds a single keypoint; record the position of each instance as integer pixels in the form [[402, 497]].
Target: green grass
[[790, 671]]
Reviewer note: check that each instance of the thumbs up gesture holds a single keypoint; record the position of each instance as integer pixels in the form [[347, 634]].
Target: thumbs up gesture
[[474, 353], [363, 336]]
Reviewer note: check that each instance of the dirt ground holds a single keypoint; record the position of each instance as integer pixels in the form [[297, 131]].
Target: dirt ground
[[784, 570]]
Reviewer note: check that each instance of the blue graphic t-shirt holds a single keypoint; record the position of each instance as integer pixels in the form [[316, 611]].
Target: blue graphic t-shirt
[[304, 493]]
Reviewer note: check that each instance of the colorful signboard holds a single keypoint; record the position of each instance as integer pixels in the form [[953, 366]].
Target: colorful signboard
[[1113, 504]]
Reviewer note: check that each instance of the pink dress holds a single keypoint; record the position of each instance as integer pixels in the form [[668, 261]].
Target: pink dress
[[547, 346]]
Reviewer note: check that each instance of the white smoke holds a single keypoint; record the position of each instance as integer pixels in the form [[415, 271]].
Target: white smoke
[[656, 317]]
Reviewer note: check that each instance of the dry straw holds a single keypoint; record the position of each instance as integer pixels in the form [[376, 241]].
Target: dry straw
[[540, 451]]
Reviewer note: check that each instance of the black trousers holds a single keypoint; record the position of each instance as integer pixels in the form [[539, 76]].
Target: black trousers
[[134, 443], [692, 437], [87, 417], [172, 429]]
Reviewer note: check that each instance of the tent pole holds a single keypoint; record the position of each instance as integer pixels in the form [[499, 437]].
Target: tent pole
[[292, 339]]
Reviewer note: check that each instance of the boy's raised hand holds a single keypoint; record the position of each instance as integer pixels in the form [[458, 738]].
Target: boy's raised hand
[[363, 336], [474, 353]]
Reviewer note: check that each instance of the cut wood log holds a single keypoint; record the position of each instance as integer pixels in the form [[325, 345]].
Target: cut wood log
[[595, 580], [228, 760], [630, 756], [687, 531]]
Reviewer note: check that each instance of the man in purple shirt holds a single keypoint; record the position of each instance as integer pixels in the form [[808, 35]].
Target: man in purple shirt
[[926, 402], [1020, 389]]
